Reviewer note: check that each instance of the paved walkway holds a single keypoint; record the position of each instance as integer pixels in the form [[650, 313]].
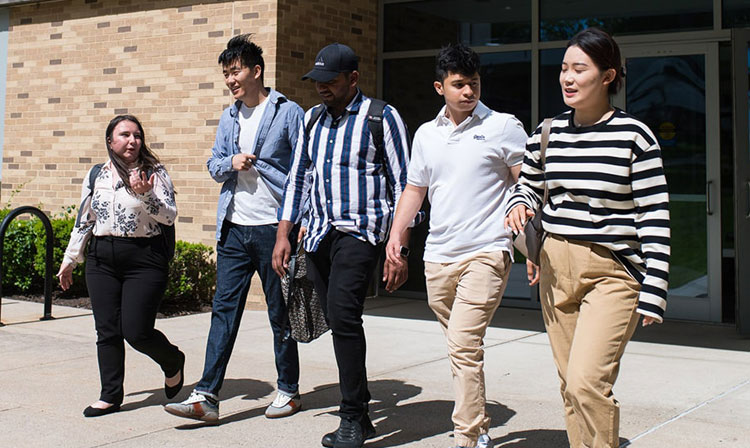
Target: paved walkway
[[681, 385]]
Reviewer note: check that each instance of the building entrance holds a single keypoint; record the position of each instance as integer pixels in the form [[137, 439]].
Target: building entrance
[[674, 90]]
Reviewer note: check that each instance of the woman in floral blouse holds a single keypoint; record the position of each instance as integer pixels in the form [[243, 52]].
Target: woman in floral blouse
[[126, 269]]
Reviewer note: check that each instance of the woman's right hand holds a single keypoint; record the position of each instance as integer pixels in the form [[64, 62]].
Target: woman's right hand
[[517, 218], [65, 275]]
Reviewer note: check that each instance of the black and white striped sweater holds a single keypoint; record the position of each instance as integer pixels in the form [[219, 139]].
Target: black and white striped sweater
[[607, 186]]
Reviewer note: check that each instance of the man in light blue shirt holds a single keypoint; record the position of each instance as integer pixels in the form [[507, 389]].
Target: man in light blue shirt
[[251, 158]]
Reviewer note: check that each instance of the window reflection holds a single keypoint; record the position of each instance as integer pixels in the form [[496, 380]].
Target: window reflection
[[550, 96], [506, 85], [432, 24], [736, 13], [562, 19]]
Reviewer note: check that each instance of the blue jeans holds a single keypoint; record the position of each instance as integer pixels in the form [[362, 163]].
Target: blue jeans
[[241, 251]]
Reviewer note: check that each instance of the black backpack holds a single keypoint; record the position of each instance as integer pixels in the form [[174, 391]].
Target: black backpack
[[167, 231]]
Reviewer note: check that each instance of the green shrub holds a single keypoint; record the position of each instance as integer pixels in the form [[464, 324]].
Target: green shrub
[[192, 278], [18, 256]]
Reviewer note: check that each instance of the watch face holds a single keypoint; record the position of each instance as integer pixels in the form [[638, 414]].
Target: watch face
[[404, 251]]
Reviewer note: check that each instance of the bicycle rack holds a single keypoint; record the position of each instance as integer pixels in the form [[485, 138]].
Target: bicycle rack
[[48, 259]]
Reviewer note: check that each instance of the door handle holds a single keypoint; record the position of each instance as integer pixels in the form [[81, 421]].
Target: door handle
[[709, 208]]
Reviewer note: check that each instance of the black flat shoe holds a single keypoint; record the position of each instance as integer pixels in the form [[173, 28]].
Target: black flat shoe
[[170, 392], [97, 412]]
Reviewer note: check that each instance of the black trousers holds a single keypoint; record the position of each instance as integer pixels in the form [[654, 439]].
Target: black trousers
[[341, 269], [126, 279]]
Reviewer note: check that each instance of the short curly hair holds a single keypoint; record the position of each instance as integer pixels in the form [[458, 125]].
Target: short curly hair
[[456, 58]]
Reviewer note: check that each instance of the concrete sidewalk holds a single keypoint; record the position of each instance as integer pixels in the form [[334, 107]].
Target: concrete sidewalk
[[681, 384]]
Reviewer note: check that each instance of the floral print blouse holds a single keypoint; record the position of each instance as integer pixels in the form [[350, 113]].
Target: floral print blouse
[[112, 211]]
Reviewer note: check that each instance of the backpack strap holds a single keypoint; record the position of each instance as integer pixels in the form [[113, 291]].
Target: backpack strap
[[95, 170], [314, 116], [375, 123]]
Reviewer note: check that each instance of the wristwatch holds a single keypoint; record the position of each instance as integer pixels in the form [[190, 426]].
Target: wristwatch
[[404, 251]]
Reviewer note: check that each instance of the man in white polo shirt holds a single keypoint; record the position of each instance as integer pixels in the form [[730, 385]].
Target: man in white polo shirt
[[465, 160]]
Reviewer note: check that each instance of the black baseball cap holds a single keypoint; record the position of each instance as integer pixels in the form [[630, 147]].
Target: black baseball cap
[[332, 60]]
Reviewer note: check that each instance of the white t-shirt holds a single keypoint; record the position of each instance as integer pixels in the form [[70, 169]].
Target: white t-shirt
[[253, 203], [466, 169]]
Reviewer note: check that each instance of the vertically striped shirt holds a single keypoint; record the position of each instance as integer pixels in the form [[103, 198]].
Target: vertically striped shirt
[[607, 186], [349, 176]]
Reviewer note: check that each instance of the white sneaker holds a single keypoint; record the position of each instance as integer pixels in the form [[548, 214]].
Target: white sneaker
[[284, 405], [485, 441], [198, 407]]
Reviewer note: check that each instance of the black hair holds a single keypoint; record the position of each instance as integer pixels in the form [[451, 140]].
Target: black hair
[[456, 58], [241, 48], [603, 50], [147, 160]]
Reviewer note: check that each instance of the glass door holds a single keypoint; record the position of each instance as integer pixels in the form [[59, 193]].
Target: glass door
[[674, 90]]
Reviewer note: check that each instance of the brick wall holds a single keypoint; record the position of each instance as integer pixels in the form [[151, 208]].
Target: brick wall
[[306, 26], [73, 65]]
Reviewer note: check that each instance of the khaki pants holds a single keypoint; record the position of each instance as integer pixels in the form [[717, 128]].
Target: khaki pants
[[588, 302], [464, 296]]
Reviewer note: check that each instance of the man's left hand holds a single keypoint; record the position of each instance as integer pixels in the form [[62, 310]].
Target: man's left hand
[[394, 275]]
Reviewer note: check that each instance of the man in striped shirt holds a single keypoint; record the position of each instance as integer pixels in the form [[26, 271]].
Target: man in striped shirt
[[355, 183]]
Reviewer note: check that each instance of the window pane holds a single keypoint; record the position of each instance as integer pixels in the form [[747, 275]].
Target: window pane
[[506, 84], [736, 13], [561, 19], [432, 24], [550, 96], [407, 85]]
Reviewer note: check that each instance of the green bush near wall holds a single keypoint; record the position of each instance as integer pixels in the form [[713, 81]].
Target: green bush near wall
[[192, 272], [18, 256], [192, 278]]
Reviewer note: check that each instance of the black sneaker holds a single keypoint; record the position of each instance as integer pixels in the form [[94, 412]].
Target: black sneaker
[[366, 429]]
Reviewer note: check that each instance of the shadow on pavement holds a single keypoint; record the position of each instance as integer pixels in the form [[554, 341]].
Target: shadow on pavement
[[671, 332], [396, 424]]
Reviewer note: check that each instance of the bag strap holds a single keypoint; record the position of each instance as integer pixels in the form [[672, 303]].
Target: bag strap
[[546, 128], [375, 123], [92, 180], [314, 116]]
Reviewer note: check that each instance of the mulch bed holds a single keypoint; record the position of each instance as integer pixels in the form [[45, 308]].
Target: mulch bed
[[60, 298]]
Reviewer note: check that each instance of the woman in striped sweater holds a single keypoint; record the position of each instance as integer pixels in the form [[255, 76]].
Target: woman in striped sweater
[[605, 258]]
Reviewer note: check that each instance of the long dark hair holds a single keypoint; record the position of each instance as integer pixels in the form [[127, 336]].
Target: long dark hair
[[604, 51], [147, 161]]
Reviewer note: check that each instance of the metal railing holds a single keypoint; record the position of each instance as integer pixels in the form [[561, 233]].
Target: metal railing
[[48, 259]]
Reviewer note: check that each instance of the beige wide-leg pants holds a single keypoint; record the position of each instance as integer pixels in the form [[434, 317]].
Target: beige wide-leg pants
[[589, 306], [464, 296]]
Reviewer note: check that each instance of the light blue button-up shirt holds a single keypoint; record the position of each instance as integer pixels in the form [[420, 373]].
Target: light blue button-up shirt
[[277, 136]]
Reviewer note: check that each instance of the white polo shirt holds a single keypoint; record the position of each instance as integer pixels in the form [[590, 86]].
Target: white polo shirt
[[466, 171]]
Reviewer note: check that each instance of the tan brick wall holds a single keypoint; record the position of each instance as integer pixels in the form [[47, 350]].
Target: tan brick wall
[[74, 64], [306, 26]]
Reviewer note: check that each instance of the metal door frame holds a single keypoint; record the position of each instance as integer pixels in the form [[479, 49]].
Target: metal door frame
[[740, 55]]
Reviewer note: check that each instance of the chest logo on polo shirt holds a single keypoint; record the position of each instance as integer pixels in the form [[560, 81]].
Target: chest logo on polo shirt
[[479, 137]]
